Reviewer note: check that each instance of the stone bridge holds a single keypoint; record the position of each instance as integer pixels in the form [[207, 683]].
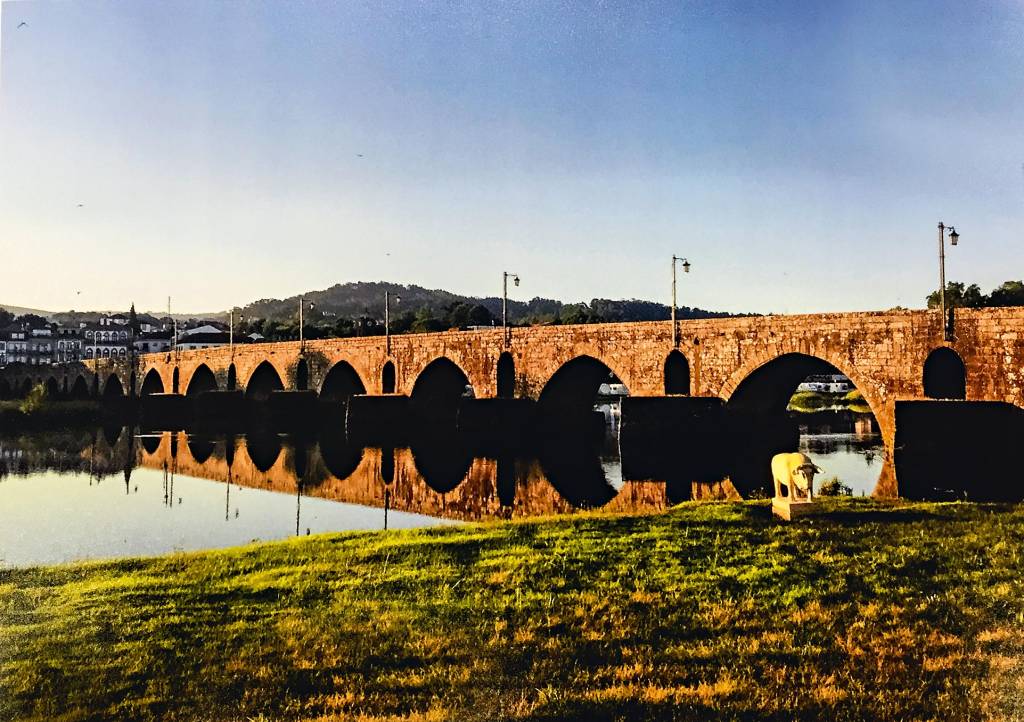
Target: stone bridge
[[752, 363]]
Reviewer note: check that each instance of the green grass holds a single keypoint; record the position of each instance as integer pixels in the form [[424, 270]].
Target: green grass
[[892, 612]]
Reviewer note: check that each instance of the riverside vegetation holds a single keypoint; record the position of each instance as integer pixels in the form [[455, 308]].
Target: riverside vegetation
[[876, 611], [38, 411]]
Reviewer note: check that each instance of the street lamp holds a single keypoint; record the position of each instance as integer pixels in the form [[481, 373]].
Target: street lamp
[[504, 304], [231, 331], [686, 269], [953, 238], [387, 319], [302, 342]]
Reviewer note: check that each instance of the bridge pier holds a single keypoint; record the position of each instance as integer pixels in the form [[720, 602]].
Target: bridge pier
[[495, 422], [381, 418], [960, 450], [164, 411]]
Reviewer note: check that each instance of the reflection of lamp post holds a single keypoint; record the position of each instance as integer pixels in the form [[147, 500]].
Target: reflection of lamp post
[[387, 320], [686, 269], [504, 305], [953, 238]]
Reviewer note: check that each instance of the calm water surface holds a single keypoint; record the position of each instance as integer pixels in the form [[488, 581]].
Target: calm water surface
[[70, 496]]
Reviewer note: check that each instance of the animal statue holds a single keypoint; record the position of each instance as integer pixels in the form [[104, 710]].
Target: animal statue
[[796, 471]]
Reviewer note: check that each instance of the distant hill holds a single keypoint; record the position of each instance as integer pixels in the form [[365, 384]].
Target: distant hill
[[366, 299], [362, 299], [21, 310]]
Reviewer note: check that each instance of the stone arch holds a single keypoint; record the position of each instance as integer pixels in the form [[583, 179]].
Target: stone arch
[[875, 400], [64, 386], [152, 383], [301, 375], [757, 398], [202, 380], [438, 390], [52, 387], [95, 384], [132, 380], [26, 387], [506, 376], [5, 389], [573, 388], [944, 375], [79, 389], [263, 381], [768, 388], [232, 378], [176, 381], [677, 374], [113, 388], [341, 383], [387, 378]]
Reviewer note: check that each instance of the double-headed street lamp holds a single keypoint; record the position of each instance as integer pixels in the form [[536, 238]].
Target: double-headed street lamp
[[686, 269], [387, 319], [953, 238], [504, 304]]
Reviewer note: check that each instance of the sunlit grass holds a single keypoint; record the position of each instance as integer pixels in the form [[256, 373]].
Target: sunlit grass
[[910, 612]]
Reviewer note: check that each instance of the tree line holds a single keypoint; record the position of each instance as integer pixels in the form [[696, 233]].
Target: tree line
[[960, 295], [320, 323]]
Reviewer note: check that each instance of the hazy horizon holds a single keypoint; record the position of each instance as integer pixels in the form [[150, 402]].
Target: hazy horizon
[[799, 155]]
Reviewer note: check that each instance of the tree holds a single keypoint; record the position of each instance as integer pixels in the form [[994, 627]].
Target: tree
[[6, 317], [31, 320], [959, 296], [133, 321], [1011, 293]]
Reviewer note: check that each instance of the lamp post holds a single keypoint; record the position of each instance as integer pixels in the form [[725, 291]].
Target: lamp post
[[174, 326], [953, 238], [302, 341], [504, 305], [387, 320], [231, 331], [686, 269]]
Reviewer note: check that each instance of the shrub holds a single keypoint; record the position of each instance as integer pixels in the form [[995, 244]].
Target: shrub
[[808, 401], [36, 400], [834, 487]]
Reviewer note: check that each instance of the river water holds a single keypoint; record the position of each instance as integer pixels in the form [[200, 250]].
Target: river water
[[92, 494]]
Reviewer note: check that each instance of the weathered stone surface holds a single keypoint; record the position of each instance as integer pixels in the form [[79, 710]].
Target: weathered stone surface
[[883, 353]]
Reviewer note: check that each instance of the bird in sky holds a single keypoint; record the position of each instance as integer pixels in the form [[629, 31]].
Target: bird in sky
[[359, 155], [22, 24], [81, 205]]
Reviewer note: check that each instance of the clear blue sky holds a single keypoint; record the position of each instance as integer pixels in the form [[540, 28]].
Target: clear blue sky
[[800, 154]]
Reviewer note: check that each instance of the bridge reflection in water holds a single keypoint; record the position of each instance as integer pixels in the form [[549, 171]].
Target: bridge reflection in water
[[444, 479]]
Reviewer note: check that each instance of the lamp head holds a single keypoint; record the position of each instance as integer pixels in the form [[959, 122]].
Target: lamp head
[[515, 280], [953, 235], [686, 266]]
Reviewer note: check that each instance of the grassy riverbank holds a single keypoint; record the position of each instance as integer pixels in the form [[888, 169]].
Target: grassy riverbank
[[907, 612], [811, 401]]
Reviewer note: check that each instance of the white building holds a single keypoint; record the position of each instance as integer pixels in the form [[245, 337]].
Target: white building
[[826, 384]]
